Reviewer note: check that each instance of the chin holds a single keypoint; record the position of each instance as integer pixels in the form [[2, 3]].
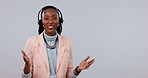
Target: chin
[[51, 31]]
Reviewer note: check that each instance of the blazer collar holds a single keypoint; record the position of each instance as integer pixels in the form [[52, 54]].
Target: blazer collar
[[42, 43]]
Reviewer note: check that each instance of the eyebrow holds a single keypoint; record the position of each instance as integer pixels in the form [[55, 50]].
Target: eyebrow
[[52, 15]]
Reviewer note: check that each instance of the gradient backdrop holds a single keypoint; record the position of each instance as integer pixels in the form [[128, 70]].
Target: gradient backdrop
[[114, 32]]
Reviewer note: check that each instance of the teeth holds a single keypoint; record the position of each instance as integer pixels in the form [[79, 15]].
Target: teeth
[[50, 26]]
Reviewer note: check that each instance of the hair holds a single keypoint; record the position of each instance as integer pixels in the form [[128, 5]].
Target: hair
[[40, 23]]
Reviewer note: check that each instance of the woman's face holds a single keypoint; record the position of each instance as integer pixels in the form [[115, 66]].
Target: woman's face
[[50, 21]]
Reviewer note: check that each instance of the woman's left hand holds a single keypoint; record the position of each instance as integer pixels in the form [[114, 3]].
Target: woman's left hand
[[85, 64]]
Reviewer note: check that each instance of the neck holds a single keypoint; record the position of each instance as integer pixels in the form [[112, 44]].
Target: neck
[[50, 38], [50, 34]]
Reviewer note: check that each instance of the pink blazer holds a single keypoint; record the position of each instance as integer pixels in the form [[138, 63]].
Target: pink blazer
[[36, 50]]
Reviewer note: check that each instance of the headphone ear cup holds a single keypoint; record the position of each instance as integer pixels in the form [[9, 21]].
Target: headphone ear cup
[[60, 20], [41, 28], [40, 23]]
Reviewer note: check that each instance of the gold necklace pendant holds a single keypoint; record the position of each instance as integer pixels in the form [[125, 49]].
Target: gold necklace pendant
[[51, 47], [48, 46]]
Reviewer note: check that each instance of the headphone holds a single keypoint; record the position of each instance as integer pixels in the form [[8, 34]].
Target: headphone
[[40, 23]]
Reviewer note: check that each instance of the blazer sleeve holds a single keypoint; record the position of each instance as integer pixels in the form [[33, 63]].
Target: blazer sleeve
[[29, 53], [70, 61]]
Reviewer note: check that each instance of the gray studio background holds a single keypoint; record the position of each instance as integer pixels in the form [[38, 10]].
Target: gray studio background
[[114, 32]]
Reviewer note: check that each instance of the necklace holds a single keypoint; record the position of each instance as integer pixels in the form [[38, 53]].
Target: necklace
[[48, 46]]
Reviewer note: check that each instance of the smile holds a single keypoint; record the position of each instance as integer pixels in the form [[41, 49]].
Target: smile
[[50, 27]]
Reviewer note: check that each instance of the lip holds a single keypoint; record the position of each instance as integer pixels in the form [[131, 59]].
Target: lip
[[50, 27]]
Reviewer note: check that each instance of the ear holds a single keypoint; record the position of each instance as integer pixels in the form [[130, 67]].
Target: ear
[[60, 20], [40, 23], [58, 25]]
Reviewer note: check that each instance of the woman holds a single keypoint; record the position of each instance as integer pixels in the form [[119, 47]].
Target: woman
[[49, 55]]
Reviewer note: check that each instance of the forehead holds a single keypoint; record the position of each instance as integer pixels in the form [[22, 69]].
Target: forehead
[[50, 11]]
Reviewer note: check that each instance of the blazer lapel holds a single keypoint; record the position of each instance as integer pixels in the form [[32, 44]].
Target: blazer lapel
[[43, 51], [61, 50]]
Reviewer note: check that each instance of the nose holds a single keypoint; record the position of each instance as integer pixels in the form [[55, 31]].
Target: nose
[[50, 21]]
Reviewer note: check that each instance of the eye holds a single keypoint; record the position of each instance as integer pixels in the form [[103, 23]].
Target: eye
[[46, 18], [54, 18]]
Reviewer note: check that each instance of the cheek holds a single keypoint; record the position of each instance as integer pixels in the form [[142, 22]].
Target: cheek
[[56, 23], [45, 22]]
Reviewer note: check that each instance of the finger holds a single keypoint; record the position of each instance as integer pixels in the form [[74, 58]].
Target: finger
[[87, 67], [87, 58], [23, 52], [26, 60], [25, 57], [91, 62]]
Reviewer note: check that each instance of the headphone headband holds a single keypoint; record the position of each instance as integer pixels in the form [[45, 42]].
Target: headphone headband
[[47, 7]]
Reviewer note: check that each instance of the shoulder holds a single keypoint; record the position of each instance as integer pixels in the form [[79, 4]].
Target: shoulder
[[34, 39], [65, 39], [30, 44]]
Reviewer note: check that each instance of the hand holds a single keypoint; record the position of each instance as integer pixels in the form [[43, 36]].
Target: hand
[[26, 58], [84, 64], [27, 63]]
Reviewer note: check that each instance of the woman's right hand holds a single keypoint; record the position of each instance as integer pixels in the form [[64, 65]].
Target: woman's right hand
[[27, 63]]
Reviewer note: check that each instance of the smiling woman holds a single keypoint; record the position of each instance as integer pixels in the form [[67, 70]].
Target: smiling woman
[[50, 21], [114, 32], [47, 19], [49, 55]]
